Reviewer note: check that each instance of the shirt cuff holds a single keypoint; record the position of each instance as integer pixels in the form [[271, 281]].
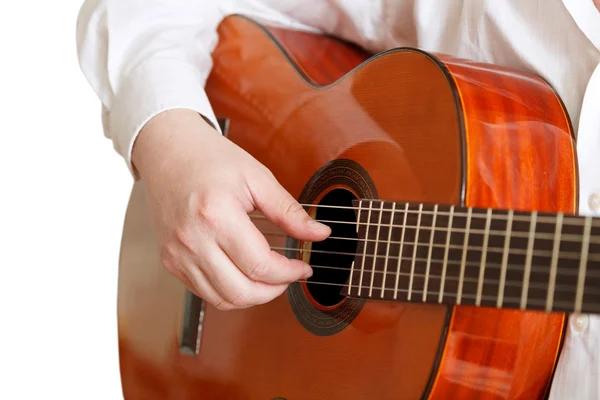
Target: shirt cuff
[[153, 87]]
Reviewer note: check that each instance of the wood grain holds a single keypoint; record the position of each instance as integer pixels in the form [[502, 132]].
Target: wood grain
[[519, 155]]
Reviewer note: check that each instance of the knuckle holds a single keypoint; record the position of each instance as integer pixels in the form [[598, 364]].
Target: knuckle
[[268, 173], [260, 269], [208, 211], [292, 209], [224, 306], [186, 236], [259, 171], [241, 300], [167, 256], [240, 296]]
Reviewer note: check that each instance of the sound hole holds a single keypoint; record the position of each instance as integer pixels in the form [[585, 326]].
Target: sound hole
[[329, 294]]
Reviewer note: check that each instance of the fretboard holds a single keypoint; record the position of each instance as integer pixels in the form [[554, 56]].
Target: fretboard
[[470, 256]]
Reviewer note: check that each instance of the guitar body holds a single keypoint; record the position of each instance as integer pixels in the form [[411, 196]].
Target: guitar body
[[403, 125]]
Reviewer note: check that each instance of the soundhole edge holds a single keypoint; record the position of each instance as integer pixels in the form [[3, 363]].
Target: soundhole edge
[[321, 309]]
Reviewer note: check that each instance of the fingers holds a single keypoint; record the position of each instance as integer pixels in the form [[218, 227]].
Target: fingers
[[234, 286], [212, 276], [194, 279], [283, 210], [250, 251]]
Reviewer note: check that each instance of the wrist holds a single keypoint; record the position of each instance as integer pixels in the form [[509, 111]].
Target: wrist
[[162, 135]]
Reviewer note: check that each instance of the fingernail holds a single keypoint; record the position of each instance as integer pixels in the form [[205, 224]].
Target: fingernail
[[308, 274], [317, 225]]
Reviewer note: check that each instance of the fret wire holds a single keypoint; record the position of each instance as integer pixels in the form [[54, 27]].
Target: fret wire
[[375, 251], [501, 288], [429, 254], [428, 266], [352, 266], [483, 256], [400, 253], [554, 262], [464, 258], [362, 267], [387, 252], [585, 246], [412, 267], [445, 265], [529, 256]]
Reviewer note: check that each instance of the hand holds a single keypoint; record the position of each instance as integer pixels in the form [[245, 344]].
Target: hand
[[200, 188]]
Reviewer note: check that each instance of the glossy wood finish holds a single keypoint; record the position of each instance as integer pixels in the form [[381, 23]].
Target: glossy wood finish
[[520, 155], [397, 116], [322, 59]]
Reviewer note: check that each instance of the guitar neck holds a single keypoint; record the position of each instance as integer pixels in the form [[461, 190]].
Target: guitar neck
[[483, 257]]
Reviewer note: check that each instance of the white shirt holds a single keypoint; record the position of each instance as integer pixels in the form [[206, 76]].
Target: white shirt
[[146, 56]]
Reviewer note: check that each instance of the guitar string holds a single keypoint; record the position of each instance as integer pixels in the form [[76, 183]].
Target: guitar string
[[576, 220], [533, 285], [509, 267], [517, 284], [534, 268], [541, 303], [568, 255], [538, 235]]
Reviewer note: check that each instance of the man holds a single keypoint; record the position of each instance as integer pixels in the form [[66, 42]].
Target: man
[[148, 61]]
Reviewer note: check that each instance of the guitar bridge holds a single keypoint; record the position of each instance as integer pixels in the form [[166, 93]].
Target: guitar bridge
[[191, 329]]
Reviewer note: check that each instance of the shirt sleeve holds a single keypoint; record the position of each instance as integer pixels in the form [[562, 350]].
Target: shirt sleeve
[[143, 57], [588, 148]]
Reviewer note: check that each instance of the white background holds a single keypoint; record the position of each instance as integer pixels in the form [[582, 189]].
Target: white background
[[63, 195]]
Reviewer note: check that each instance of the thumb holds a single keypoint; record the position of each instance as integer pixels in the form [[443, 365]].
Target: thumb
[[278, 206]]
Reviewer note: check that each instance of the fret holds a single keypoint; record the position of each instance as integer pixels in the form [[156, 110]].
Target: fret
[[585, 246], [509, 220], [435, 208], [446, 251], [464, 257], [358, 225], [591, 284], [488, 265], [527, 272], [569, 258], [474, 254], [400, 251], [516, 260], [375, 251], [554, 262], [488, 221], [542, 258], [414, 257], [364, 256], [387, 252]]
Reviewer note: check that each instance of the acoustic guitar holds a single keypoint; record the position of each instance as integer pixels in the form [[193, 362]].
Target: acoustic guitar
[[455, 254]]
